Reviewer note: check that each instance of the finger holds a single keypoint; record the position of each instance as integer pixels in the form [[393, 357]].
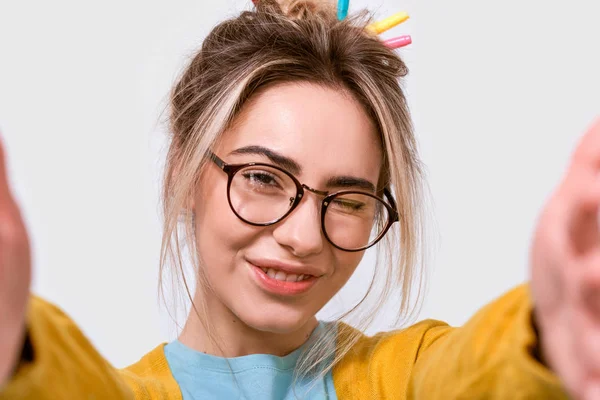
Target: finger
[[578, 198], [587, 345], [586, 288], [11, 224], [582, 223], [587, 152], [2, 164], [592, 390], [4, 189], [553, 252]]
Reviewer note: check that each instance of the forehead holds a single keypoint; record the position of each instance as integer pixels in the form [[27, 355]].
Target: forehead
[[321, 128]]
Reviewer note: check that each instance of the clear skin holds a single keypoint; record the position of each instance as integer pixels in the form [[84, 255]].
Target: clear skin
[[565, 259], [565, 267], [325, 132], [15, 276]]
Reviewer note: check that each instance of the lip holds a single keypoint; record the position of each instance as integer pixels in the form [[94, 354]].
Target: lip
[[282, 288], [288, 268]]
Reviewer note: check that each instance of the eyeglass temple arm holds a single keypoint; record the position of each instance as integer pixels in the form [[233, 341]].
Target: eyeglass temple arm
[[220, 163], [388, 194]]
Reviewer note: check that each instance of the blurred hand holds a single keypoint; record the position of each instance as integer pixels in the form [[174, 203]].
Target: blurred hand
[[15, 276], [565, 268]]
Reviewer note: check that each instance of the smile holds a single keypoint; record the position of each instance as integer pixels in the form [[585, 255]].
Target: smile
[[282, 276], [281, 283]]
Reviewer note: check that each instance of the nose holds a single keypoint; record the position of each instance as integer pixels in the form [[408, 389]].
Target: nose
[[301, 231]]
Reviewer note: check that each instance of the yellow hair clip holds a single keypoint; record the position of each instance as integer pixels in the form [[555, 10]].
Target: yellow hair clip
[[379, 27]]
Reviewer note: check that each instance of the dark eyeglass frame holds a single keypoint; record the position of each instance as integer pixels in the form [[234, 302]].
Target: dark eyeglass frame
[[232, 169]]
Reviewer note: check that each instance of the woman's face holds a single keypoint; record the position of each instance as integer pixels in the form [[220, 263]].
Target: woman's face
[[320, 135]]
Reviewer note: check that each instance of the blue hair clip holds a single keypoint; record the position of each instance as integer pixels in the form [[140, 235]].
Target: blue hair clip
[[342, 9]]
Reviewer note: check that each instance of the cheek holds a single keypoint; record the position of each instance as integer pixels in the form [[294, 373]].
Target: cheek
[[346, 265], [219, 233]]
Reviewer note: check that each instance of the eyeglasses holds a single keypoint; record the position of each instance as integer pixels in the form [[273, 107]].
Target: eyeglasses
[[264, 194]]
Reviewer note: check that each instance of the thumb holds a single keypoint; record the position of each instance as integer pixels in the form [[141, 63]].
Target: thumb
[[4, 186], [588, 148]]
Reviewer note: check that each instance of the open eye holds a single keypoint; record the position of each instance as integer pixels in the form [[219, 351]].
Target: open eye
[[264, 180], [260, 178]]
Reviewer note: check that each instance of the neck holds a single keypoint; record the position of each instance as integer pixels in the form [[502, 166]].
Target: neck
[[229, 336]]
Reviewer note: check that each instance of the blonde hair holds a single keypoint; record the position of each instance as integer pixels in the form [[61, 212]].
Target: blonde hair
[[296, 41]]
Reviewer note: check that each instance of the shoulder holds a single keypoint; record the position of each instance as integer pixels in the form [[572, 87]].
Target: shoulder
[[413, 340], [379, 366], [404, 343], [151, 379]]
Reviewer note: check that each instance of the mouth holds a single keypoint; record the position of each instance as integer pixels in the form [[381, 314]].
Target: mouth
[[284, 276], [282, 283]]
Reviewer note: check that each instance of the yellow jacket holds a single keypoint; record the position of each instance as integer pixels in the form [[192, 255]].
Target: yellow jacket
[[490, 357]]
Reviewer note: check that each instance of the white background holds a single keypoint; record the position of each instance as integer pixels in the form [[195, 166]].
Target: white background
[[500, 92]]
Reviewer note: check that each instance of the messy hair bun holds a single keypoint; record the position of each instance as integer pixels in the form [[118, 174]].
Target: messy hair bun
[[299, 9]]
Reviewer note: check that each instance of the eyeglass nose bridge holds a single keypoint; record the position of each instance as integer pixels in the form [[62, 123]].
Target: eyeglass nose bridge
[[300, 194], [315, 191]]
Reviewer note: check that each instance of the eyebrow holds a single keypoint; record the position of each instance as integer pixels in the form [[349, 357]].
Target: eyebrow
[[279, 159], [294, 167], [350, 182]]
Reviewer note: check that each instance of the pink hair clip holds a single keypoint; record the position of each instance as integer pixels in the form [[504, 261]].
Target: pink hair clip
[[377, 28], [398, 42]]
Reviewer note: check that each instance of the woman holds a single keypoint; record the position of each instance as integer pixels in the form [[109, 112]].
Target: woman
[[292, 152]]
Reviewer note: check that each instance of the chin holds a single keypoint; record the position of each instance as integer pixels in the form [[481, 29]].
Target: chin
[[276, 319]]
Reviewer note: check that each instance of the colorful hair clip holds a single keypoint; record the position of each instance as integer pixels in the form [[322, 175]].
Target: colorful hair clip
[[379, 27], [397, 42], [342, 9]]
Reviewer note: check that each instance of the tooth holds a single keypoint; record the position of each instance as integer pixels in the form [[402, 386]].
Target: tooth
[[300, 278], [280, 276], [271, 272], [291, 278]]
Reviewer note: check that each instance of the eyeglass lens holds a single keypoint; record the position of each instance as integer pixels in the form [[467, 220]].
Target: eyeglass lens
[[263, 195]]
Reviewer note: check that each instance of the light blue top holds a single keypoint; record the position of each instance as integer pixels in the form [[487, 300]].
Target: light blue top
[[257, 376]]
